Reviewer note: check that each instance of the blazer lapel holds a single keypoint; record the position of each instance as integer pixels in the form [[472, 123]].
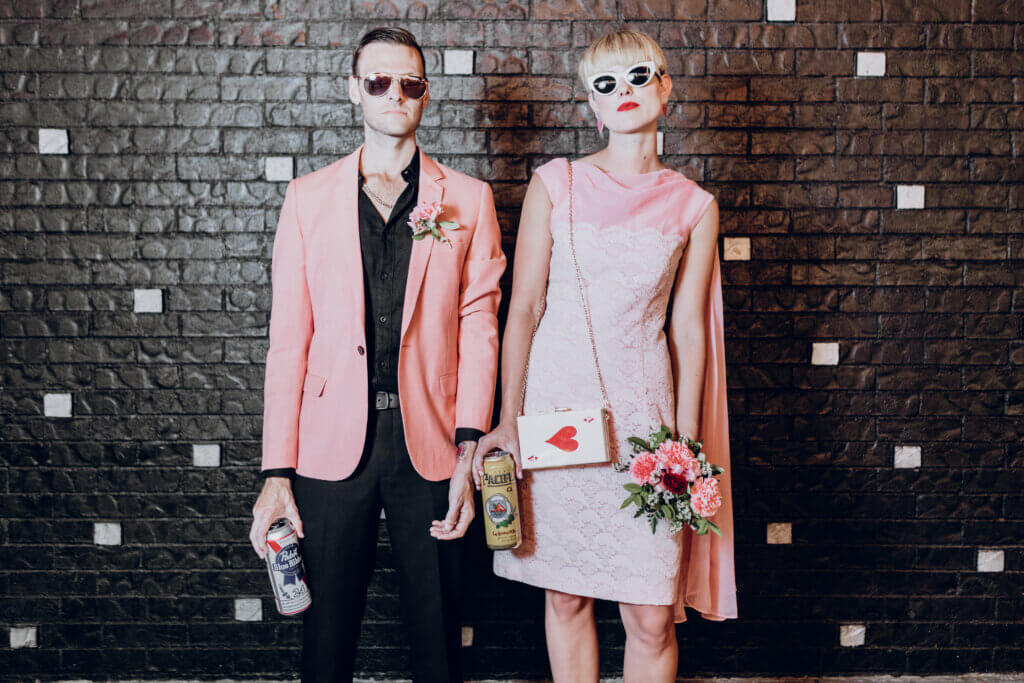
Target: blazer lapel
[[347, 248], [430, 190]]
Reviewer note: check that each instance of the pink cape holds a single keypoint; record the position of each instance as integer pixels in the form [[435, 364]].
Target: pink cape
[[707, 580]]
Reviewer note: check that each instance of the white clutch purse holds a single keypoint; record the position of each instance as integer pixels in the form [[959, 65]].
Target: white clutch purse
[[566, 437]]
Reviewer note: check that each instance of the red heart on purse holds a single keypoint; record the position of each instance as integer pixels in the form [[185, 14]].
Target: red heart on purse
[[563, 440]]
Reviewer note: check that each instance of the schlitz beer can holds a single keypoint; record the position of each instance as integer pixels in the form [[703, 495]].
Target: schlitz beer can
[[501, 502], [287, 575]]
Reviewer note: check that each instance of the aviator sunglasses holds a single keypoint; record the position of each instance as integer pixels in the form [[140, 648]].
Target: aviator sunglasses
[[378, 84], [638, 75]]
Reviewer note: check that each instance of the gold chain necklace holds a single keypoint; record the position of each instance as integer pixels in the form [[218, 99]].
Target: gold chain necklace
[[387, 205]]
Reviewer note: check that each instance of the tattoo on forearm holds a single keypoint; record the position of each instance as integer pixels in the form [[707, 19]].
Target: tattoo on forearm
[[463, 449]]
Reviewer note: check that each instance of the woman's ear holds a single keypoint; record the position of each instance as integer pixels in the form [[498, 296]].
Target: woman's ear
[[666, 88]]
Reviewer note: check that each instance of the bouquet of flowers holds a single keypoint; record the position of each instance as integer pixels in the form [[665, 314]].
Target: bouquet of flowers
[[673, 481]]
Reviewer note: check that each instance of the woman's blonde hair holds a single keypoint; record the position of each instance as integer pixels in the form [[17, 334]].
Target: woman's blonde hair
[[621, 47]]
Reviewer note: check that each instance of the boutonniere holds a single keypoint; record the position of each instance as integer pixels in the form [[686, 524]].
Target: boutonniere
[[423, 221]]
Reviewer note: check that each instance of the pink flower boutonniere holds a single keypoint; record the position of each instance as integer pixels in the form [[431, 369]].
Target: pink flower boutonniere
[[423, 221]]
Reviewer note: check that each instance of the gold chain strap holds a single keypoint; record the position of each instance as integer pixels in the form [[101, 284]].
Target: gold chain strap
[[586, 312]]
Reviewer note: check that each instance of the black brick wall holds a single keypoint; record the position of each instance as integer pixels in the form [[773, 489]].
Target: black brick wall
[[171, 108]]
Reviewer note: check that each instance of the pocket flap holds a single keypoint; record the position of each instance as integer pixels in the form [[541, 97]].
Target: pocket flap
[[314, 384]]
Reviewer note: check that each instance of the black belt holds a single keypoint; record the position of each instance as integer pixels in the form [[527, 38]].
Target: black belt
[[385, 400]]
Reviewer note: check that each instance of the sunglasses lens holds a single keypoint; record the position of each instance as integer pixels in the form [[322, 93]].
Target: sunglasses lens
[[413, 88], [604, 84], [377, 85], [639, 75]]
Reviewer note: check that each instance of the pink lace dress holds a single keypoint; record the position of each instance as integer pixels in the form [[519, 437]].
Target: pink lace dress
[[630, 233]]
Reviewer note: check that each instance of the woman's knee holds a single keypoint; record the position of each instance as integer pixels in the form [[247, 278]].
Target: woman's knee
[[650, 626], [566, 607]]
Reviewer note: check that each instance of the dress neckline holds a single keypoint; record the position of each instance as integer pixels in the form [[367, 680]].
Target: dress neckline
[[621, 175]]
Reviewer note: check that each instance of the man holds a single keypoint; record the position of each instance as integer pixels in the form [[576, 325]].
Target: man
[[380, 372]]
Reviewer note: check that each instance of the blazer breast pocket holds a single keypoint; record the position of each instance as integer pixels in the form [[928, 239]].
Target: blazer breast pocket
[[314, 384]]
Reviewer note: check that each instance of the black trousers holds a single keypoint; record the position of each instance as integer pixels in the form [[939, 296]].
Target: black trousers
[[340, 520]]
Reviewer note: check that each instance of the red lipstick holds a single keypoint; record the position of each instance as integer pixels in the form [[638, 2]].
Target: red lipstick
[[626, 106]]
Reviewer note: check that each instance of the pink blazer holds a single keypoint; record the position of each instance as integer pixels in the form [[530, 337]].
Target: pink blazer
[[315, 394]]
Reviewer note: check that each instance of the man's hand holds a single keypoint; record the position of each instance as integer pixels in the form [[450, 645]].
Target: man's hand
[[275, 501], [460, 498]]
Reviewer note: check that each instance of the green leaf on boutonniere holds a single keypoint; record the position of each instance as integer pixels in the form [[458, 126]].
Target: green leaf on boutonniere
[[450, 225], [419, 235], [632, 488]]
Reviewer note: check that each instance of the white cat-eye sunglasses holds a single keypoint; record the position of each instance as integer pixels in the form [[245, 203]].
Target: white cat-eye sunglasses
[[638, 75]]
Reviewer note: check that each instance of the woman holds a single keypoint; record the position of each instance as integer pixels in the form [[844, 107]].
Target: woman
[[645, 235]]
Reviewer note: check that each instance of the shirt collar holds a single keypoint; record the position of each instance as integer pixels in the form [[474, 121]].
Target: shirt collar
[[410, 173]]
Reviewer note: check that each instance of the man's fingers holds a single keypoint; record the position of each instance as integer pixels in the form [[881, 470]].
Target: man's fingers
[[465, 518], [296, 521]]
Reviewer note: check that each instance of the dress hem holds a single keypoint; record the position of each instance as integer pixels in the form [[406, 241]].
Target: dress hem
[[584, 594]]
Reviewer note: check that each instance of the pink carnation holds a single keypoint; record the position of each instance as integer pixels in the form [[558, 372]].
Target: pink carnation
[[679, 458], [642, 467], [705, 497], [426, 210]]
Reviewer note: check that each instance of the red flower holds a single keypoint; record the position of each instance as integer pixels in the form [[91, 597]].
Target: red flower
[[674, 483]]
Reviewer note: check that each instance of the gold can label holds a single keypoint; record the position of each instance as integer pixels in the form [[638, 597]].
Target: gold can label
[[501, 502]]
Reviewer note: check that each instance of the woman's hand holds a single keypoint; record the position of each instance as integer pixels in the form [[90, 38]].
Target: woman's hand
[[504, 437]]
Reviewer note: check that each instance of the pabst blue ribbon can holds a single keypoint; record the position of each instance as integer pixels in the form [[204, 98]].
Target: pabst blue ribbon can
[[287, 575], [501, 502]]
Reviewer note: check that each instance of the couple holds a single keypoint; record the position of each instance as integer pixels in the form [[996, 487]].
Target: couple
[[383, 356]]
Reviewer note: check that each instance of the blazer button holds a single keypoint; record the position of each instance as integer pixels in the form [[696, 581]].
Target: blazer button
[[360, 350]]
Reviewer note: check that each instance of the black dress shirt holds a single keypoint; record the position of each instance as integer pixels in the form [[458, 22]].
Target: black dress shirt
[[386, 248]]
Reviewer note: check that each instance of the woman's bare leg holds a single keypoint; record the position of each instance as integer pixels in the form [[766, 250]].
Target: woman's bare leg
[[652, 653], [572, 637]]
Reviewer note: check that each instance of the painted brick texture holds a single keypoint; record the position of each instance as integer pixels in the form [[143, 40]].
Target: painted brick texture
[[865, 155]]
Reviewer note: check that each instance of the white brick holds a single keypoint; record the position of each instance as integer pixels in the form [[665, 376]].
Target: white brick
[[458, 61], [57, 405], [106, 533], [910, 196], [825, 353], [661, 143], [990, 560], [851, 635], [278, 169], [205, 455], [53, 141], [467, 636], [23, 636], [248, 609], [870, 63], [907, 456], [149, 301], [780, 533], [781, 10], [736, 249]]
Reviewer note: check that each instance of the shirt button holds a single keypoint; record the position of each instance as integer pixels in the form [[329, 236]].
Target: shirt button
[[384, 276], [360, 350], [383, 319]]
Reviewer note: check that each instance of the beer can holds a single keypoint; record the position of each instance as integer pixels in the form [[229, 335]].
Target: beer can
[[287, 575], [502, 525]]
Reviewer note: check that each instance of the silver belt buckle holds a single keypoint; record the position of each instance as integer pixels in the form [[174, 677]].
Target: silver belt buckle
[[385, 400]]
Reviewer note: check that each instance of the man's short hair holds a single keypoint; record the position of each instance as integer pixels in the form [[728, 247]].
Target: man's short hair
[[387, 34]]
